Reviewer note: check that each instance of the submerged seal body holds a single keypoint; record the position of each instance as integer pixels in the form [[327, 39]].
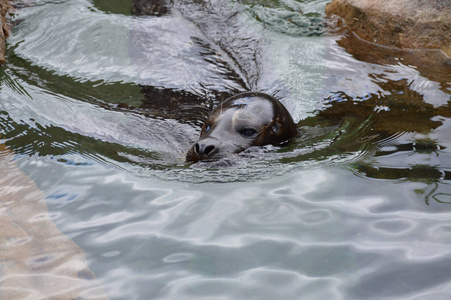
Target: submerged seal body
[[244, 120]]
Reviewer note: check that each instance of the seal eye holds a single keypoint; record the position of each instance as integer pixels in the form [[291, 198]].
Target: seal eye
[[248, 132], [207, 128]]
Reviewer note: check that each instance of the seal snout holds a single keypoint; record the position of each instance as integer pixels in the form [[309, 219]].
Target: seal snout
[[204, 149]]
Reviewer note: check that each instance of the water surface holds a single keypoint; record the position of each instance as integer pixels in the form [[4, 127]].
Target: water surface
[[99, 108]]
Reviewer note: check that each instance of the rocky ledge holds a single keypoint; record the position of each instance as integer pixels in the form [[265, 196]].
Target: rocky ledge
[[404, 24]]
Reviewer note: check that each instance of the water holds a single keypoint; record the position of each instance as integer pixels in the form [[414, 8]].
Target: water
[[99, 108]]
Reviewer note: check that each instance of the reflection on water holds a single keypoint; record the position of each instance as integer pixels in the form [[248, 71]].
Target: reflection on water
[[100, 106]]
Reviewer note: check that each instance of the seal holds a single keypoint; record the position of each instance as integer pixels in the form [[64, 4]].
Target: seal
[[244, 120]]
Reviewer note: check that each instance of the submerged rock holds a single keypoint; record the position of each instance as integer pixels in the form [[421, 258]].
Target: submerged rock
[[150, 8], [414, 24]]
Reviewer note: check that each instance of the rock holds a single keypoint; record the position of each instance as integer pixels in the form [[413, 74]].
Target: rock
[[5, 6], [406, 24]]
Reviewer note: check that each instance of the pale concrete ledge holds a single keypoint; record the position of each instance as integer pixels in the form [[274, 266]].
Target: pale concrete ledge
[[404, 24]]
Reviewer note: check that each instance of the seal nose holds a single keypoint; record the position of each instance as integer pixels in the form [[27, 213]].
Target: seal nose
[[204, 149], [207, 148]]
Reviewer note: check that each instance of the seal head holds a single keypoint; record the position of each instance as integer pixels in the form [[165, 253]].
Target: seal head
[[244, 120]]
